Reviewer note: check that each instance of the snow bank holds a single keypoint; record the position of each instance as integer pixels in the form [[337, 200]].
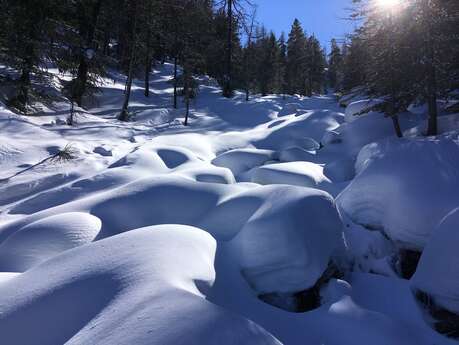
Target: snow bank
[[43, 239], [304, 174], [403, 188], [340, 170], [242, 160], [355, 109], [438, 270], [142, 287], [298, 131], [350, 138], [295, 154], [287, 244]]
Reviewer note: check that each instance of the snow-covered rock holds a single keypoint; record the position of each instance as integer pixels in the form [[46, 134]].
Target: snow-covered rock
[[340, 170], [360, 108], [289, 109], [404, 188], [287, 244], [45, 238], [304, 174], [438, 270], [299, 130], [242, 160], [331, 137], [352, 137], [144, 287], [104, 151], [294, 154]]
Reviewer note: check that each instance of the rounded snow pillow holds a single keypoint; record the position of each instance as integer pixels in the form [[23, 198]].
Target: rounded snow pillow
[[403, 188], [438, 270], [45, 238], [287, 245]]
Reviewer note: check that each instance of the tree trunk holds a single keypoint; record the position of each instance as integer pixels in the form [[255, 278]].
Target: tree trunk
[[24, 85], [431, 78], [148, 53], [80, 82], [187, 97], [393, 110], [228, 88], [147, 75], [87, 29], [124, 115], [70, 120], [175, 82]]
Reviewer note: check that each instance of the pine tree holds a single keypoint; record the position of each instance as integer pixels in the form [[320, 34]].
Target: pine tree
[[132, 8], [281, 79], [296, 59], [27, 28], [335, 62]]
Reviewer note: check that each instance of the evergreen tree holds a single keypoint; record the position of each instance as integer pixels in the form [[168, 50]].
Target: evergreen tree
[[281, 79], [296, 59], [335, 62], [27, 31]]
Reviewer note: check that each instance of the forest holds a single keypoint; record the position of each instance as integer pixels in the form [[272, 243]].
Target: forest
[[189, 172]]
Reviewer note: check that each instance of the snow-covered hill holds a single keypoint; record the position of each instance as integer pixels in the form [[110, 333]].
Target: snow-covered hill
[[263, 222]]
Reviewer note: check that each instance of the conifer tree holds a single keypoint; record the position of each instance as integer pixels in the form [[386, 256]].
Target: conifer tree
[[296, 59]]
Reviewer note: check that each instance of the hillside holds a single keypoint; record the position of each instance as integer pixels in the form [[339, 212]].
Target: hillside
[[262, 222]]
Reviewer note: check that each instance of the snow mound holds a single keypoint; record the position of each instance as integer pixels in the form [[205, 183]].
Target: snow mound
[[350, 138], [438, 271], [304, 174], [209, 174], [242, 160], [43, 239], [289, 109], [287, 244], [295, 154], [340, 170], [331, 137], [359, 108], [403, 188], [300, 130], [128, 289]]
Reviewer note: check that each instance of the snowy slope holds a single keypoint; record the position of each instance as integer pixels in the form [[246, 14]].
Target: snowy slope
[[157, 233]]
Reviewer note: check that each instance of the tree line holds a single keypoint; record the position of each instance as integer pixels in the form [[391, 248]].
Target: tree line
[[85, 38], [404, 54]]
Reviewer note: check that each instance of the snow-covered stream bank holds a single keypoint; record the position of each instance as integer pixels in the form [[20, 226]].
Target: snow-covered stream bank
[[158, 233]]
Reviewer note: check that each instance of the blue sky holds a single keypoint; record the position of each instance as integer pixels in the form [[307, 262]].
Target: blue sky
[[324, 18]]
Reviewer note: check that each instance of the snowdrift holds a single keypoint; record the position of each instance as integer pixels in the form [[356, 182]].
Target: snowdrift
[[438, 270], [157, 233], [403, 187], [128, 289]]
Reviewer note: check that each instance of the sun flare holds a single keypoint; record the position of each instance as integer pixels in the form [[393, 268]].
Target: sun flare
[[387, 4]]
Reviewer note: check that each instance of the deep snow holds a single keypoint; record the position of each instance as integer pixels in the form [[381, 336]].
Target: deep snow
[[158, 233]]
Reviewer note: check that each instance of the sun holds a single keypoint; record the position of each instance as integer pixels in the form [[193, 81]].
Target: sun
[[388, 4]]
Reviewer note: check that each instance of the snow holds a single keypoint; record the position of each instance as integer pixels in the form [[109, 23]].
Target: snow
[[128, 289], [157, 233], [360, 108], [304, 174], [43, 239], [279, 251], [242, 160], [400, 190], [438, 269]]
